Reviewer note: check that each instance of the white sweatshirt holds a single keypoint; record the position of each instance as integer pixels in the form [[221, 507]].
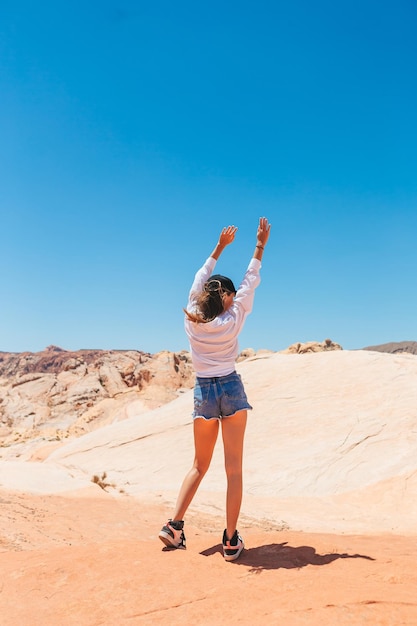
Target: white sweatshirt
[[214, 345]]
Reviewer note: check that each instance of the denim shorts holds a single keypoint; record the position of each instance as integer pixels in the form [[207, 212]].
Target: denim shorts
[[220, 396]]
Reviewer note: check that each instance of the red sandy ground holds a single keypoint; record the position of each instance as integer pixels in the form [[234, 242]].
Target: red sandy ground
[[91, 561]]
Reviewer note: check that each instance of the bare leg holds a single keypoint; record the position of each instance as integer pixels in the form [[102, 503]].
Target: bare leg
[[205, 436], [233, 431]]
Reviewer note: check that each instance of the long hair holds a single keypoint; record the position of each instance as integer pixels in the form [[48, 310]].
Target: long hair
[[209, 303]]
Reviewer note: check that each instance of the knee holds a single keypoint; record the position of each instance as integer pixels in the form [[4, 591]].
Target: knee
[[201, 468], [233, 471]]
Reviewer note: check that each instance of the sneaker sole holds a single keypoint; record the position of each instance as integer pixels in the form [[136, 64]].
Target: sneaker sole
[[169, 542]]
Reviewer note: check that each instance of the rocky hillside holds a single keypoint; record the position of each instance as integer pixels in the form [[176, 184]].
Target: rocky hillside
[[394, 347], [312, 346], [56, 393]]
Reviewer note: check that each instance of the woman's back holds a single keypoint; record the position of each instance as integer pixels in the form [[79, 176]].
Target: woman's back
[[214, 344]]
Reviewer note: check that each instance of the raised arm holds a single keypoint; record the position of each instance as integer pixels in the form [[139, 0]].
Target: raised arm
[[226, 237], [262, 237]]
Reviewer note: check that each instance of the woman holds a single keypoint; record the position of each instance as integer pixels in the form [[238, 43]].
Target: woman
[[214, 317]]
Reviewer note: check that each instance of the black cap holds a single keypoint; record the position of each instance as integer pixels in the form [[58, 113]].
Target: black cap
[[225, 282]]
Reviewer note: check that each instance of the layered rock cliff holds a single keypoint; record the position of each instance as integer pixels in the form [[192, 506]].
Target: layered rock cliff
[[56, 393]]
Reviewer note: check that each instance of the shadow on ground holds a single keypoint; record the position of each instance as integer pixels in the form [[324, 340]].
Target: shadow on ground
[[281, 555]]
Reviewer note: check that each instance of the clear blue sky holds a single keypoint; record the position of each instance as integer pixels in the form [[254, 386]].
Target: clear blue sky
[[132, 132]]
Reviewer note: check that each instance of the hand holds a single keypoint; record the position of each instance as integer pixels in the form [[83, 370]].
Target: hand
[[263, 231], [227, 236]]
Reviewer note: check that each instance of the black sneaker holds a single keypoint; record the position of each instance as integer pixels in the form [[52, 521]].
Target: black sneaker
[[233, 547], [172, 534]]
